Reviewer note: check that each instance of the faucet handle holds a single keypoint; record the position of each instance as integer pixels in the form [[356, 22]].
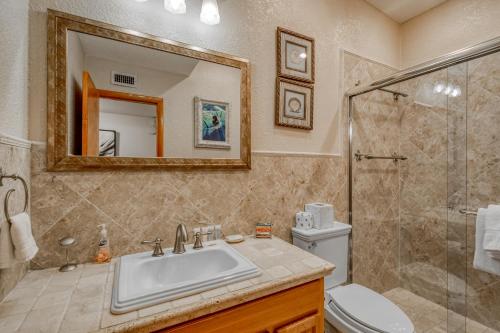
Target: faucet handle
[[197, 241], [157, 251], [156, 241]]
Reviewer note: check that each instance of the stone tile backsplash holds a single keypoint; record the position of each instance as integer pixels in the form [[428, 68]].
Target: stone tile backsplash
[[143, 205], [13, 160]]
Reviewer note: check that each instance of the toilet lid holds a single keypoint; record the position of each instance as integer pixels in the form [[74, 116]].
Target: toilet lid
[[371, 309]]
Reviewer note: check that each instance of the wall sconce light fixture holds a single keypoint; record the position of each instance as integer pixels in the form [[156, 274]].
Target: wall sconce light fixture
[[209, 9]]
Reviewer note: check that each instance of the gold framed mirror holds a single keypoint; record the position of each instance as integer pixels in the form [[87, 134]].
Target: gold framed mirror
[[118, 98]]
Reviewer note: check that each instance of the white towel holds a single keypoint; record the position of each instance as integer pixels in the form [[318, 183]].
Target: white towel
[[491, 242], [482, 260], [25, 247], [494, 254], [7, 258]]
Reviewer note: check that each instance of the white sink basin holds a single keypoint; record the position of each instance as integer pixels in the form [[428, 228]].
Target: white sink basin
[[142, 280]]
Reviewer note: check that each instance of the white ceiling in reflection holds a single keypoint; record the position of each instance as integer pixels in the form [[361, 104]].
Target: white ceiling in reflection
[[403, 10], [109, 49]]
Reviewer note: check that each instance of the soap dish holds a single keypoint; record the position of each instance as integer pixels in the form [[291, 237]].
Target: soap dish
[[234, 239]]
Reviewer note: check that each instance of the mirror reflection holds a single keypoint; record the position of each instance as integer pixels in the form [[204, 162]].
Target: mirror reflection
[[133, 101]]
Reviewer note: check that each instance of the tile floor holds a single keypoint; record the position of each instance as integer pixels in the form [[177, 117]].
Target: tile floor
[[429, 317]]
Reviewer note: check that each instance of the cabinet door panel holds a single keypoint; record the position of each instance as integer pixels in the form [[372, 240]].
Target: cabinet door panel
[[301, 306], [310, 324]]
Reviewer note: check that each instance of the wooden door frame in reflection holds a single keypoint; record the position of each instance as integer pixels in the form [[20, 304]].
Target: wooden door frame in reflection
[[135, 98], [58, 157], [90, 116]]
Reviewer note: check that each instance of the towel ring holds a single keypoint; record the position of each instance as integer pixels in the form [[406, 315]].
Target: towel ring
[[9, 193]]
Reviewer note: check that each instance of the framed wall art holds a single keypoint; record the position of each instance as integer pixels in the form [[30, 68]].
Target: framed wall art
[[108, 142], [211, 124], [295, 55], [294, 104]]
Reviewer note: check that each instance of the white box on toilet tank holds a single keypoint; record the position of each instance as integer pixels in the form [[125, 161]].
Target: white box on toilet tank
[[330, 244]]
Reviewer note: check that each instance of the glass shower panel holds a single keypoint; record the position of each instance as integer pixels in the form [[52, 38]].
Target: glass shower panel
[[424, 198], [483, 179], [456, 92], [416, 256], [410, 240], [424, 189]]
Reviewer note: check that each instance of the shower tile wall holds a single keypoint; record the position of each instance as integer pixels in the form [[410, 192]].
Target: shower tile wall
[[483, 173], [376, 182], [423, 205]]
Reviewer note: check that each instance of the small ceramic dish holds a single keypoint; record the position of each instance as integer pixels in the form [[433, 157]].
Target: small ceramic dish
[[234, 239]]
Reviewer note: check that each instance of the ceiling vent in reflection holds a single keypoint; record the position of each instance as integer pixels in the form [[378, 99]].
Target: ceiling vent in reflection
[[123, 79]]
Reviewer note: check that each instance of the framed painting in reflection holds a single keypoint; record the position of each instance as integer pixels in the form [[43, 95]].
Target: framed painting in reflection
[[294, 104], [108, 143], [295, 55], [211, 124]]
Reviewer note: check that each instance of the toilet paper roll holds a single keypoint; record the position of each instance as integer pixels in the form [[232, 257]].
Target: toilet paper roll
[[323, 214]]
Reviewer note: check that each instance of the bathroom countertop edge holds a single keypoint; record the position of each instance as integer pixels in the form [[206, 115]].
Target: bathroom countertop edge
[[168, 319]]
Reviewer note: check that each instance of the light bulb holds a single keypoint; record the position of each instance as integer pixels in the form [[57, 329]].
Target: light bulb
[[448, 89], [456, 92], [210, 12], [303, 55], [439, 88], [175, 6]]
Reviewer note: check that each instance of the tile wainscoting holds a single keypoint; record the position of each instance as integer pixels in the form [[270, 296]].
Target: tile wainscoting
[[139, 205], [14, 159]]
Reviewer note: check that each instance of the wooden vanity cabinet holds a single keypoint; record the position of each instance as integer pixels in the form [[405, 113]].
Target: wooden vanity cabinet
[[295, 310]]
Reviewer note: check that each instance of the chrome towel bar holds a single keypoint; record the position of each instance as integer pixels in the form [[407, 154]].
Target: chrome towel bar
[[9, 192], [395, 157], [467, 212]]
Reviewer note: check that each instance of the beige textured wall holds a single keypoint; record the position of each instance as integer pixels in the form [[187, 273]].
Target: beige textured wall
[[451, 26], [13, 113], [14, 68], [247, 29]]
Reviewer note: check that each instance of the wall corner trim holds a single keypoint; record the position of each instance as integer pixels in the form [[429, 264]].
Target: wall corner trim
[[294, 154], [14, 141]]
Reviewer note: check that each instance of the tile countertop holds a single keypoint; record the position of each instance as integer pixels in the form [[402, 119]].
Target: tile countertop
[[79, 301]]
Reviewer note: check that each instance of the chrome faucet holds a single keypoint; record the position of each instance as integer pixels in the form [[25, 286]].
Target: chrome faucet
[[181, 236], [157, 251]]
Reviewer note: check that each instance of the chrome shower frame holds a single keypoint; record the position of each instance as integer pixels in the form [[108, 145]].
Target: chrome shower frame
[[448, 60]]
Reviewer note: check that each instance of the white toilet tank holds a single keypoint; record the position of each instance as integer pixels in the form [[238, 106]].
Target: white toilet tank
[[330, 244]]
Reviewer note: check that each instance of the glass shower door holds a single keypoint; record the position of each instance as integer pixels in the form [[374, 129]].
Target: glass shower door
[[424, 206], [483, 181], [456, 94], [412, 240]]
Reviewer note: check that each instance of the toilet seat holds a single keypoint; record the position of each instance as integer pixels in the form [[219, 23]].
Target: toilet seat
[[354, 308]]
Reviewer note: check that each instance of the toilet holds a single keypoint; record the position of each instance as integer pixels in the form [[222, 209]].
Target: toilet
[[350, 307]]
